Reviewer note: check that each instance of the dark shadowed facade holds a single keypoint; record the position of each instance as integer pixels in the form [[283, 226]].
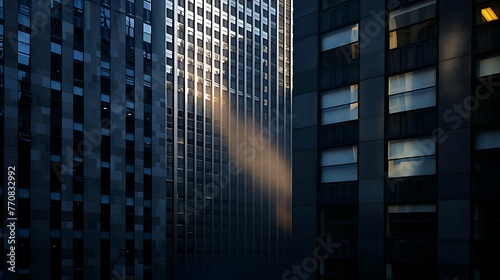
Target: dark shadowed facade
[[397, 139], [83, 122]]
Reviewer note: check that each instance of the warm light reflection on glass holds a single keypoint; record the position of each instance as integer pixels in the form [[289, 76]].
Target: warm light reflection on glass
[[271, 168], [393, 40], [489, 14]]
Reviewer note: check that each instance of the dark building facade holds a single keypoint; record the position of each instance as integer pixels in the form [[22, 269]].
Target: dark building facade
[[146, 139], [396, 139], [83, 124]]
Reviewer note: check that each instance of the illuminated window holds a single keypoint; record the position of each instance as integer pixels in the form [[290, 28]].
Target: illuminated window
[[411, 157], [412, 90], [488, 14]]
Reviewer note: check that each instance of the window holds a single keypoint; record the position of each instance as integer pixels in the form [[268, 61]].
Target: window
[[130, 76], [412, 24], [488, 140], [78, 126], [411, 15], [105, 17], [1, 35], [340, 222], [55, 85], [147, 33], [77, 55], [78, 91], [78, 4], [488, 13], [411, 221], [411, 157], [412, 90], [129, 26], [340, 37], [339, 105], [488, 66], [130, 7], [23, 48], [339, 57], [55, 48], [148, 80], [337, 13], [339, 165], [105, 68]]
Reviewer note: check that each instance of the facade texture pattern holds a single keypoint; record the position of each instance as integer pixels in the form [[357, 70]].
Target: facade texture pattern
[[397, 138], [151, 139], [228, 138], [83, 123]]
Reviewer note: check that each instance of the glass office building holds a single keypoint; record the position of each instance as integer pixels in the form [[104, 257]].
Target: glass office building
[[397, 138], [151, 139]]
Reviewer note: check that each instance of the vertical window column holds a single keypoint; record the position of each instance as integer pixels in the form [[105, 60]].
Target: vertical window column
[[23, 173], [412, 36], [105, 23]]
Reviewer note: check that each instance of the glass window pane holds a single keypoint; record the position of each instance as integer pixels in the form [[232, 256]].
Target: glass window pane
[[412, 100], [339, 97], [55, 48], [78, 55], [488, 140], [23, 37], [412, 167], [488, 12], [55, 85], [339, 156], [488, 66], [411, 148], [23, 59], [340, 114], [412, 81], [339, 38], [147, 28], [339, 173]]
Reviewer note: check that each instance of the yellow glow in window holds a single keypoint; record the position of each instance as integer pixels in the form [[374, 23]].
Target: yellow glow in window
[[489, 14]]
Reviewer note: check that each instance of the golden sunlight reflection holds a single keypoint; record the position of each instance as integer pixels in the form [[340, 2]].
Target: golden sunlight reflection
[[257, 156]]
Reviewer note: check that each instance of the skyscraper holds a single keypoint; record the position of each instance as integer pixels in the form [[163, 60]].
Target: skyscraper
[[397, 138], [145, 139], [228, 138]]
